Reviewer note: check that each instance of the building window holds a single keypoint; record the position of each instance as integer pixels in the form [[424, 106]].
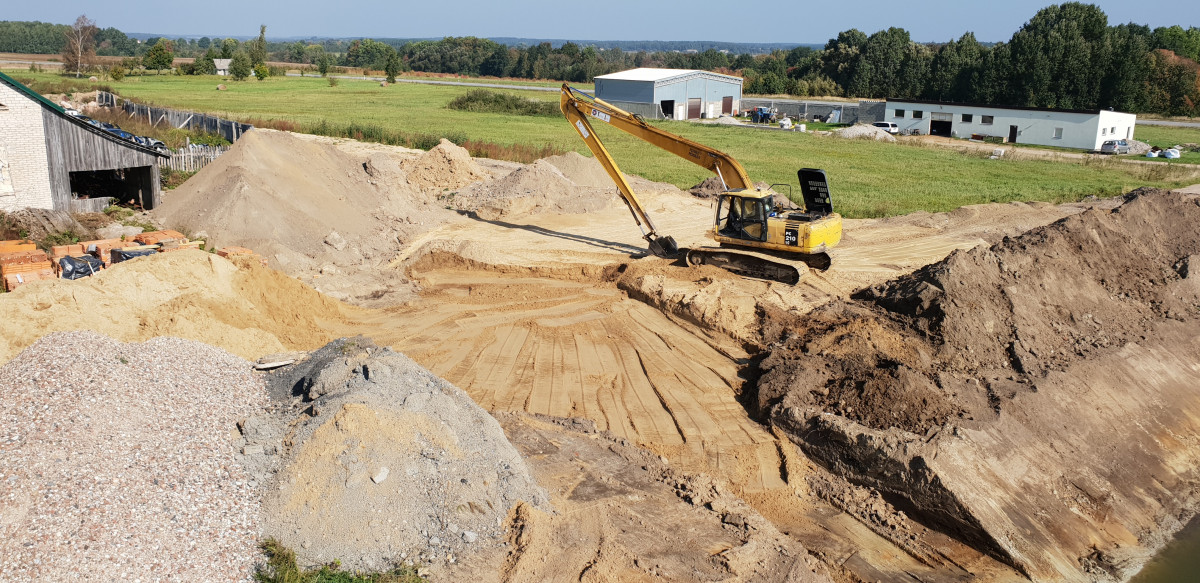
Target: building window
[[985, 120], [968, 117], [899, 113], [1104, 131], [1113, 130], [918, 114], [1058, 133]]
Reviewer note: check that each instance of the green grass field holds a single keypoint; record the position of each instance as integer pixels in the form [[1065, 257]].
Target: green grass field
[[867, 179], [1167, 136]]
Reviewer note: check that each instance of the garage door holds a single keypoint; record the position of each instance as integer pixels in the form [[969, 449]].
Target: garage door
[[694, 108]]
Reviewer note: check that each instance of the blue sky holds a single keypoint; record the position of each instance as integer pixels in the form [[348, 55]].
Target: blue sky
[[804, 22]]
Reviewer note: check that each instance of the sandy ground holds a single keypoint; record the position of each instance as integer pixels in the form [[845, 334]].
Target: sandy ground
[[537, 310]]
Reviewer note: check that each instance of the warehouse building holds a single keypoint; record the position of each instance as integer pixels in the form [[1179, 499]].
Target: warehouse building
[[52, 160], [1067, 128], [671, 93]]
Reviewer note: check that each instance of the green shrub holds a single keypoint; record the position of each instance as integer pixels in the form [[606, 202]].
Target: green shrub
[[281, 567], [484, 101]]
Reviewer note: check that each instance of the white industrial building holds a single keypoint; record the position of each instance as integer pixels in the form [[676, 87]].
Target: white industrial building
[[671, 93], [1084, 130]]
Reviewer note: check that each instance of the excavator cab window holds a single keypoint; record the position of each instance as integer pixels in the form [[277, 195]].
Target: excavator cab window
[[742, 218]]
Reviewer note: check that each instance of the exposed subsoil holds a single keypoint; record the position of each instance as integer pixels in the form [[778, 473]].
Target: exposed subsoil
[[927, 394]]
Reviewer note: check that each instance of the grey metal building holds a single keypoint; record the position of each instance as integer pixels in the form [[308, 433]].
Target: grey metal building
[[52, 160], [671, 93]]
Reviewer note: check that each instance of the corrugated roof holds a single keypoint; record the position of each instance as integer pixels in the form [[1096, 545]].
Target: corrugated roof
[[651, 74], [57, 109]]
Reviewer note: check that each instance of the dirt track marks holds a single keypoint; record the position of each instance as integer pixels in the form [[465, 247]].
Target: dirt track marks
[[575, 349]]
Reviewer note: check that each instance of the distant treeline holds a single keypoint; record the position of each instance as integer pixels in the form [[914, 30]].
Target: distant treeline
[[1067, 56]]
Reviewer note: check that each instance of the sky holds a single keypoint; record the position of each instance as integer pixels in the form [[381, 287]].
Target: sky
[[731, 21]]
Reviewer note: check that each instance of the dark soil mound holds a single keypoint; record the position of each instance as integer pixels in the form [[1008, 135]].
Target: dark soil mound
[[962, 336]]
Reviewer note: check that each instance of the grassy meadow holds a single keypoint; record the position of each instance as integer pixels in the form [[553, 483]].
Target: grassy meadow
[[867, 179]]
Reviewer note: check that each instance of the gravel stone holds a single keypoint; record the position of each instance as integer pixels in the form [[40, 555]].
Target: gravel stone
[[119, 462]]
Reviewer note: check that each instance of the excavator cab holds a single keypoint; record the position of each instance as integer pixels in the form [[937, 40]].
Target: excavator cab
[[742, 217]]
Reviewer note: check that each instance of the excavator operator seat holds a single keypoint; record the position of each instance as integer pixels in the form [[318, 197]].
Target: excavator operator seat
[[742, 218]]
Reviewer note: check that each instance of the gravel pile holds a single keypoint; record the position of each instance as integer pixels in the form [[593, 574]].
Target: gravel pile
[[864, 132], [1138, 148], [370, 459], [118, 462]]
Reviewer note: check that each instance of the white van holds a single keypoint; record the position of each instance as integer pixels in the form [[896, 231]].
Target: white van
[[887, 126]]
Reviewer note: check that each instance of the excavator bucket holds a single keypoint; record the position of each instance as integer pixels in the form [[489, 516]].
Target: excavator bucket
[[664, 247]]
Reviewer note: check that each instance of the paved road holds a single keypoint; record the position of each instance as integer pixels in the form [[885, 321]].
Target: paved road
[[1177, 124], [433, 82]]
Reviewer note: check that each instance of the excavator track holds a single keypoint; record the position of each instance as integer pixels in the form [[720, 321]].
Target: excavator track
[[753, 264]]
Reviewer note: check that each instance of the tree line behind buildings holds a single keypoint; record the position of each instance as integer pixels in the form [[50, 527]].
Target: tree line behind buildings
[[1067, 56]]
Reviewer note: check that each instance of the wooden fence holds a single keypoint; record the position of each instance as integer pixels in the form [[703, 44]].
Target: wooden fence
[[192, 159]]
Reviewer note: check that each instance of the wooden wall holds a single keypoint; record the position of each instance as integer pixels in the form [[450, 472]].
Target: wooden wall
[[72, 146]]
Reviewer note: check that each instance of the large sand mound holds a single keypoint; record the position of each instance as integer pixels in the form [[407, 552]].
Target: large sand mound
[[249, 311], [1016, 395], [301, 203]]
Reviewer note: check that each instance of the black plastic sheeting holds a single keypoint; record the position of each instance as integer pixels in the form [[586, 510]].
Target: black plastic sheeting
[[119, 255], [77, 267]]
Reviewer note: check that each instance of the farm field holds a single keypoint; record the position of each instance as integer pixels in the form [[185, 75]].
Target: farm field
[[868, 179]]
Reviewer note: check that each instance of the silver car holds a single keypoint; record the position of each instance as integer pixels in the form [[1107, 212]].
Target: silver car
[[1115, 147]]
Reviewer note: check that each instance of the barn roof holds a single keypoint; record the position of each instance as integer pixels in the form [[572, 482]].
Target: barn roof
[[656, 75], [59, 111]]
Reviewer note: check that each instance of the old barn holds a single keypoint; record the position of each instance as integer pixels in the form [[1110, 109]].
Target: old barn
[[52, 160]]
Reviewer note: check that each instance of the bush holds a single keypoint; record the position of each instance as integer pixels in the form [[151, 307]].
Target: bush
[[333, 82], [261, 72], [117, 72], [484, 101]]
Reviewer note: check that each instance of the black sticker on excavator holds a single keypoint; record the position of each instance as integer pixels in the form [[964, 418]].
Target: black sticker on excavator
[[791, 237]]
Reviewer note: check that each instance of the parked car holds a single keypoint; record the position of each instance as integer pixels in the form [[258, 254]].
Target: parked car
[[1115, 147], [152, 143], [887, 126]]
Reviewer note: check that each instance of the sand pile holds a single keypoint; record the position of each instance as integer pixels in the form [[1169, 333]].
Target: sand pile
[[537, 188], [581, 170], [190, 294], [864, 132], [302, 204], [383, 463], [445, 166], [1058, 352]]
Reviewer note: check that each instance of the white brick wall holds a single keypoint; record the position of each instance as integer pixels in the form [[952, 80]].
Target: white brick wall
[[22, 152]]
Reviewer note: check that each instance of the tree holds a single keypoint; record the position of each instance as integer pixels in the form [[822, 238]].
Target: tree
[[323, 64], [239, 66], [229, 46], [204, 64], [261, 72], [258, 47], [204, 42], [160, 56], [80, 44], [392, 67]]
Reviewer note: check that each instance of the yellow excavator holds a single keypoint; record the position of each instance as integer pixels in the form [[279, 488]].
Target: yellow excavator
[[757, 237]]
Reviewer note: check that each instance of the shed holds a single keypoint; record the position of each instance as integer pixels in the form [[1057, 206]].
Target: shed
[[1067, 128], [52, 160], [222, 66], [672, 93]]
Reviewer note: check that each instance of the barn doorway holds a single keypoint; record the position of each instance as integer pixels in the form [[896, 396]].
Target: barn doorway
[[693, 108], [1012, 134], [668, 108], [126, 186], [941, 124], [727, 105]]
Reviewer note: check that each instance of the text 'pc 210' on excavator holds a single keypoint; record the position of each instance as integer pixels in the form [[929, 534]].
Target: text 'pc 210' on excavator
[[757, 236]]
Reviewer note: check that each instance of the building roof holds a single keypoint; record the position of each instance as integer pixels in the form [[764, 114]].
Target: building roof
[[656, 75], [1012, 107], [222, 63], [59, 111]]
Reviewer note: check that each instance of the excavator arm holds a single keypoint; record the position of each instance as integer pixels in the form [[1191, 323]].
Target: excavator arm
[[580, 108]]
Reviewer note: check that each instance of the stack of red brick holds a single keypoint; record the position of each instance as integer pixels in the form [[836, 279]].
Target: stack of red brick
[[230, 252], [21, 262]]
